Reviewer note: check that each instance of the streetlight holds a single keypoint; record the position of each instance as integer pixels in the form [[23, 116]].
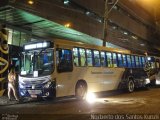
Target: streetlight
[[31, 2], [105, 24]]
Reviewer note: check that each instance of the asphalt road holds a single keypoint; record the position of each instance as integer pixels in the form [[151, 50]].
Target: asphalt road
[[142, 104]]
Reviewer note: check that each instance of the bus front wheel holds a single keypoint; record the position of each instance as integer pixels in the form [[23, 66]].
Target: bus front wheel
[[130, 86], [81, 90]]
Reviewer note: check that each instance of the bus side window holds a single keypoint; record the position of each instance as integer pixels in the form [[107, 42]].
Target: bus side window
[[103, 59], [64, 60], [129, 61], [124, 60], [89, 57], [140, 61], [137, 61], [114, 60], [82, 53], [96, 58], [143, 61], [120, 61], [76, 56], [109, 59], [133, 61]]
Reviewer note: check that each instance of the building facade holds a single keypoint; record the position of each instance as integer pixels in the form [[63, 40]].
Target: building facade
[[128, 24]]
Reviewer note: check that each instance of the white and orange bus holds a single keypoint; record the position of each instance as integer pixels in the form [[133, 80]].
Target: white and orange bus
[[64, 68]]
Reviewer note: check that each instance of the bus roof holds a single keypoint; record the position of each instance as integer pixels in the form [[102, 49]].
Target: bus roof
[[81, 44]]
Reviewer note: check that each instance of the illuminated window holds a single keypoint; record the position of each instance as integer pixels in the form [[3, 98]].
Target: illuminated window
[[103, 58], [96, 58], [120, 60], [124, 60], [133, 61], [76, 56], [82, 53], [140, 61], [143, 61], [137, 61], [89, 57], [109, 59], [129, 61], [114, 60], [64, 60]]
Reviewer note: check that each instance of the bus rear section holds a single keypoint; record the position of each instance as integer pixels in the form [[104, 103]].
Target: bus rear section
[[152, 68]]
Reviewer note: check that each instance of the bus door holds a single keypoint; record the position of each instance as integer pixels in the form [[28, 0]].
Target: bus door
[[64, 71]]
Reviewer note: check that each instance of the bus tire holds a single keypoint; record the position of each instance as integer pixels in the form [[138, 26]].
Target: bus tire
[[130, 86], [81, 90], [153, 82]]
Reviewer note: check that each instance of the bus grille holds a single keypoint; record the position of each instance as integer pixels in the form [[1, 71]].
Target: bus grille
[[34, 82]]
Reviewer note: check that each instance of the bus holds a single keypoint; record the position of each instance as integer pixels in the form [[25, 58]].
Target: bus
[[152, 69], [60, 68]]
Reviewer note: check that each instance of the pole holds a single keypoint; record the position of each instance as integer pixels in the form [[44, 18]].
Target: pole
[[105, 23]]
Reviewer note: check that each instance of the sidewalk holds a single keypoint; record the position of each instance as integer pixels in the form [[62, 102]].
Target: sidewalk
[[5, 101]]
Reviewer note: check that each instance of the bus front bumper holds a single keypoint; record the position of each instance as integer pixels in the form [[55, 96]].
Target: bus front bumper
[[34, 93], [40, 91]]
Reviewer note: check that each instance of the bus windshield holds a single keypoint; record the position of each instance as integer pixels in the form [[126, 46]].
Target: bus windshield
[[37, 62]]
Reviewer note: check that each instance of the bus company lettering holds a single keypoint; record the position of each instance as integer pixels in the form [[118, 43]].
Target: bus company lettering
[[103, 72]]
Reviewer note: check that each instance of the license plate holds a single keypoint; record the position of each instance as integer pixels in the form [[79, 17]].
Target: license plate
[[34, 96], [34, 92]]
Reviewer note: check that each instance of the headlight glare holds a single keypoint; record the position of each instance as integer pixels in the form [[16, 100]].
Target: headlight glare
[[90, 97], [47, 85]]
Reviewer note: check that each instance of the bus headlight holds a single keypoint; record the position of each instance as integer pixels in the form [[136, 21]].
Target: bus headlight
[[21, 85], [147, 80], [47, 85], [157, 82], [90, 97], [22, 93]]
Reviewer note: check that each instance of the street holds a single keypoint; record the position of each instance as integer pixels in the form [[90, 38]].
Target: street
[[115, 105]]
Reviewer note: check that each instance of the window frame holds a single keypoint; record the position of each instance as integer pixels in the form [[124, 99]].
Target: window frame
[[64, 65], [99, 58]]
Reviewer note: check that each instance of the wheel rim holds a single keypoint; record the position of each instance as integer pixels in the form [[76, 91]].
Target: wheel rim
[[80, 91], [131, 86]]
